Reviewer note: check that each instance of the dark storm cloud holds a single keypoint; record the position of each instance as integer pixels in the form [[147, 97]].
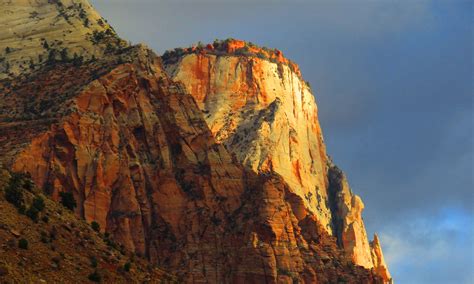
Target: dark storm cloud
[[393, 81]]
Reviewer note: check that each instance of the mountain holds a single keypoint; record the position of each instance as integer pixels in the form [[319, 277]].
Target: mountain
[[207, 161], [257, 104], [35, 32]]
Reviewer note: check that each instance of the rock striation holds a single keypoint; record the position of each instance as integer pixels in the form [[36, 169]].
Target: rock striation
[[37, 31], [140, 160], [163, 159], [257, 104]]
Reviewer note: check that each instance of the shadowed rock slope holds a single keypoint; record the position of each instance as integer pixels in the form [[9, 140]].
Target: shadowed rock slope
[[53, 246]]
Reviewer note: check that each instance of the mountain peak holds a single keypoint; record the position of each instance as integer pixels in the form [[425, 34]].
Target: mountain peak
[[35, 32]]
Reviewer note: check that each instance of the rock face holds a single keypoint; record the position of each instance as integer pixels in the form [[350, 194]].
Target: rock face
[[379, 261], [266, 115], [39, 31], [349, 225], [140, 160], [166, 175], [257, 105], [67, 247]]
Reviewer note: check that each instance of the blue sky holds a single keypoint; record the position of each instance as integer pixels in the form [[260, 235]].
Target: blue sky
[[394, 85]]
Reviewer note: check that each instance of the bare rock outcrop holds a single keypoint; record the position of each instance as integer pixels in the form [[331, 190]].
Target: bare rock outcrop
[[34, 32], [257, 104]]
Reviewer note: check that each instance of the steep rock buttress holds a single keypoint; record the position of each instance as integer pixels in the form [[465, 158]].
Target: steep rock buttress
[[257, 104]]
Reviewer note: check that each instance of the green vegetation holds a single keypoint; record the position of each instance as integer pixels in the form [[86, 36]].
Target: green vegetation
[[67, 200], [77, 60], [97, 37], [23, 243], [127, 266], [221, 48], [95, 226], [36, 207], [38, 203], [14, 190], [44, 237], [32, 213], [94, 262], [284, 271], [95, 277], [14, 194], [64, 56]]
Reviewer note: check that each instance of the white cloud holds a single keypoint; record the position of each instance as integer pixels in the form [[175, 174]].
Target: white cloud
[[431, 249]]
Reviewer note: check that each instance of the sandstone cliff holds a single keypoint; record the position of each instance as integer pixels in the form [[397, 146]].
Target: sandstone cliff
[[37, 31], [140, 160], [257, 104], [154, 168]]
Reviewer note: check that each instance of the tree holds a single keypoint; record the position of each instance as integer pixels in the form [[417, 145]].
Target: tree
[[64, 57], [38, 203], [14, 193], [67, 200], [127, 266], [95, 276], [95, 226], [23, 244], [77, 60], [32, 213]]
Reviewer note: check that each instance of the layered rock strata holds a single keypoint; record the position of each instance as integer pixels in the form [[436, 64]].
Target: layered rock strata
[[257, 104], [37, 31], [140, 160], [220, 181]]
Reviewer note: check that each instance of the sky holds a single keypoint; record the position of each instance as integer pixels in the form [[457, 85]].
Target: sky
[[394, 85]]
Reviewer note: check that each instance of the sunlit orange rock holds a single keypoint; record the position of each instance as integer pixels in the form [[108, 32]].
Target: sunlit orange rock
[[379, 262], [265, 114]]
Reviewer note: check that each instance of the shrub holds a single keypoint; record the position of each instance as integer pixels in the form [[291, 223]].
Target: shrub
[[44, 237], [14, 192], [77, 60], [261, 55], [95, 277], [64, 56], [215, 220], [95, 226], [67, 200], [52, 56], [283, 271], [23, 244], [56, 260], [38, 203], [93, 261], [32, 213], [127, 266], [97, 36], [244, 51]]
